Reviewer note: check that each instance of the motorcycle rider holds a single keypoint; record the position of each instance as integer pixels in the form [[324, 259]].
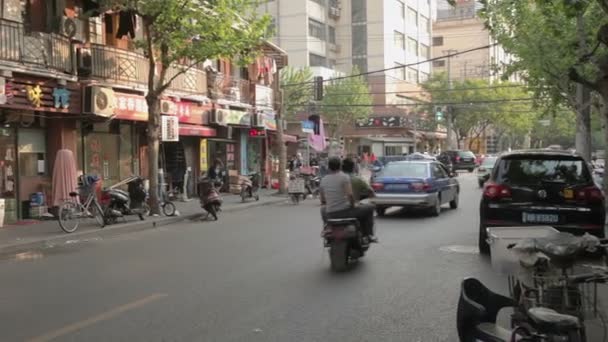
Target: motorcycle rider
[[339, 201], [361, 189]]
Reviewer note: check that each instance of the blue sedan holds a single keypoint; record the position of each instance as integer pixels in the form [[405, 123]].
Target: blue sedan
[[420, 184]]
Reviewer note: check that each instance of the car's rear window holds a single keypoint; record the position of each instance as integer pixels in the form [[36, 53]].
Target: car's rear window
[[413, 170], [466, 154], [534, 170], [489, 162]]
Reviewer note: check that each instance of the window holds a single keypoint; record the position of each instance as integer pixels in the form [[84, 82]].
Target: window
[[400, 72], [439, 64], [414, 170], [316, 60], [401, 9], [412, 16], [316, 29], [425, 51], [438, 172], [359, 11], [399, 40], [423, 77], [424, 24], [332, 34], [272, 27], [412, 46], [412, 75], [523, 170], [359, 40], [438, 41]]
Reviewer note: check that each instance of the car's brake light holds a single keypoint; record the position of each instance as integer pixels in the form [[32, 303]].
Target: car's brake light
[[590, 194], [457, 158], [421, 186], [377, 186], [496, 191]]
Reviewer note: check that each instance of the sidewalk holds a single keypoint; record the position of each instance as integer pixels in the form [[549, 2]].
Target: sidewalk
[[16, 238]]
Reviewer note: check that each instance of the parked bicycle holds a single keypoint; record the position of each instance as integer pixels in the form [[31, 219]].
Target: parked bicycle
[[81, 206]]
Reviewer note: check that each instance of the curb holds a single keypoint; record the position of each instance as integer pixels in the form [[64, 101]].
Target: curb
[[124, 228]]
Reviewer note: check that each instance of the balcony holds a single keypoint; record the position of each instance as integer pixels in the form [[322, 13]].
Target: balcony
[[229, 88], [36, 50], [131, 68]]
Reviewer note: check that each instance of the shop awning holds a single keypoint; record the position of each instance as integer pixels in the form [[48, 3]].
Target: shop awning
[[196, 131]]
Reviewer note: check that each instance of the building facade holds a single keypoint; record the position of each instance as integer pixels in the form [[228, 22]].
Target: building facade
[[69, 81], [371, 35]]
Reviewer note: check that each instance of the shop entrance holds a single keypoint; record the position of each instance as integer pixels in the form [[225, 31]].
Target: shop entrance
[[8, 170]]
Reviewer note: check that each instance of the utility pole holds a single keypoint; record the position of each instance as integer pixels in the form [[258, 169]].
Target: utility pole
[[448, 112]]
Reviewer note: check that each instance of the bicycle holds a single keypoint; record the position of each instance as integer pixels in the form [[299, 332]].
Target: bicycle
[[73, 211]]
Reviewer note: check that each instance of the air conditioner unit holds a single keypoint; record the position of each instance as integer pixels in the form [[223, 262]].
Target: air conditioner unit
[[219, 116], [99, 101], [257, 120], [168, 107], [84, 61], [335, 12], [72, 28]]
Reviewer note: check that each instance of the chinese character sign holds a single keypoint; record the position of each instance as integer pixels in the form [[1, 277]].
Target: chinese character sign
[[169, 128], [204, 165], [34, 94]]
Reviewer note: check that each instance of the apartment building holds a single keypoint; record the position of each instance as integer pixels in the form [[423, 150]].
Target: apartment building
[[459, 28], [336, 35]]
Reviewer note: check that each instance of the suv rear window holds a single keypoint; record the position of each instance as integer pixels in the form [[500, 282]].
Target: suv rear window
[[534, 170], [466, 154]]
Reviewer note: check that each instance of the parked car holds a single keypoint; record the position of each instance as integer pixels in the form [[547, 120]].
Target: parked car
[[458, 160], [541, 187], [485, 169], [420, 184]]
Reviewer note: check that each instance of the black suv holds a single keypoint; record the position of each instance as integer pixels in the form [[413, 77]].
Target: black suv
[[458, 160], [541, 187]]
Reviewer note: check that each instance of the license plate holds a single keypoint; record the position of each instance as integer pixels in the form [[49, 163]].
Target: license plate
[[398, 187], [539, 218], [568, 194]]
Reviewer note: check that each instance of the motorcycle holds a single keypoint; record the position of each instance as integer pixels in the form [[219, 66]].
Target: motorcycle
[[345, 241], [210, 198], [119, 203], [250, 185], [313, 184]]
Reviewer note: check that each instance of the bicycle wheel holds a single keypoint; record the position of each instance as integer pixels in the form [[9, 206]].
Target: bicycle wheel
[[169, 209], [69, 216], [97, 212]]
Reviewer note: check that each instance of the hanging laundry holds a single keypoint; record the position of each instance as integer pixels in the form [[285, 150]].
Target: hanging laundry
[[126, 24]]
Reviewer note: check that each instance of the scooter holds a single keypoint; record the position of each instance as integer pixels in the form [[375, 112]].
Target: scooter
[[119, 203], [250, 185], [210, 198], [345, 242]]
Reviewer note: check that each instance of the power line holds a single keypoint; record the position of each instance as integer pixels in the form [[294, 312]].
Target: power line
[[428, 103], [445, 90], [398, 67]]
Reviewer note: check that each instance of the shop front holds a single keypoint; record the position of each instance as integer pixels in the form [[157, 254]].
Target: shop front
[[37, 117]]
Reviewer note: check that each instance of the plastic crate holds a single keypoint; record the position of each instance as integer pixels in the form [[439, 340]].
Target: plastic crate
[[499, 238]]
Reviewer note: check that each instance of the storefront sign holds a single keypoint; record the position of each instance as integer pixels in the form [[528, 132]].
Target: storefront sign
[[34, 95], [308, 127], [196, 131], [385, 121], [263, 96], [192, 113], [235, 117], [61, 98], [203, 164], [130, 107], [169, 128], [270, 121]]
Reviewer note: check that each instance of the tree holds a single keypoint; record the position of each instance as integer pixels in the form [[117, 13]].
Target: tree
[[181, 34], [477, 106], [554, 129], [346, 100], [297, 89]]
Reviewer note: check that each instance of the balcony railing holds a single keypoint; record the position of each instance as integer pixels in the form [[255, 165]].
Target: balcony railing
[[238, 90], [118, 65], [192, 81], [48, 51]]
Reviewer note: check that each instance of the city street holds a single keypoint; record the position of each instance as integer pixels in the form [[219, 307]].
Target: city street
[[256, 275]]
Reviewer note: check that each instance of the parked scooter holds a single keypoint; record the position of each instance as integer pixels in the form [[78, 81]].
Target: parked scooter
[[313, 184], [250, 185], [345, 241], [119, 203], [210, 198]]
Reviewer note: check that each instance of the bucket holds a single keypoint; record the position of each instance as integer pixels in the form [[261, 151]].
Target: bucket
[[499, 238]]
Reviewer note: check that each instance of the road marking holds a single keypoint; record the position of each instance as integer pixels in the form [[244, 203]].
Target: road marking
[[96, 319]]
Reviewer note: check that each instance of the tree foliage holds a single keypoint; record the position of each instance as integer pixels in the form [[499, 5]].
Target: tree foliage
[[297, 89], [478, 106], [554, 129], [346, 100]]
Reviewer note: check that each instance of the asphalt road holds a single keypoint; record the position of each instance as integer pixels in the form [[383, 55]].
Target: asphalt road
[[256, 275]]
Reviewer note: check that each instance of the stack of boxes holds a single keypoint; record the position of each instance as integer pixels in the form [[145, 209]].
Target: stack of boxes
[[234, 182]]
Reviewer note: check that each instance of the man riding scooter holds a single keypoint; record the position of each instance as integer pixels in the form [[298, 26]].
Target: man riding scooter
[[339, 201]]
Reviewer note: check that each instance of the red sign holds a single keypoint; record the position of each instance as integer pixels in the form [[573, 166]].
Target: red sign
[[197, 131], [131, 107], [257, 133], [192, 113]]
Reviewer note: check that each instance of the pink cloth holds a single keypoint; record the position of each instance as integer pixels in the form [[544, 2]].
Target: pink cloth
[[317, 142], [65, 177]]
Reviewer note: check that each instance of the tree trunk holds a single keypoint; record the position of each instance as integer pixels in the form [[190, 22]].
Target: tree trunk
[[153, 150], [280, 142], [604, 115], [583, 122]]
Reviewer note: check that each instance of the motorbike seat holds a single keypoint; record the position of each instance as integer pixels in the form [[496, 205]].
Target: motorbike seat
[[548, 320], [342, 221]]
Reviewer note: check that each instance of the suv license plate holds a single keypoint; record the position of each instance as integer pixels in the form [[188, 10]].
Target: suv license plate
[[539, 218]]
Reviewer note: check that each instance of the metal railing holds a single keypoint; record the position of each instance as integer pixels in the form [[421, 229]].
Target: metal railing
[[123, 66], [192, 81], [47, 50], [237, 90]]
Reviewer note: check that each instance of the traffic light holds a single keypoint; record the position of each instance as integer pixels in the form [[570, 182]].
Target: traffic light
[[318, 88], [439, 111], [317, 121]]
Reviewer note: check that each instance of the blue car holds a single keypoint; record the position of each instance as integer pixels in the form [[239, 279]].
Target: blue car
[[420, 184]]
